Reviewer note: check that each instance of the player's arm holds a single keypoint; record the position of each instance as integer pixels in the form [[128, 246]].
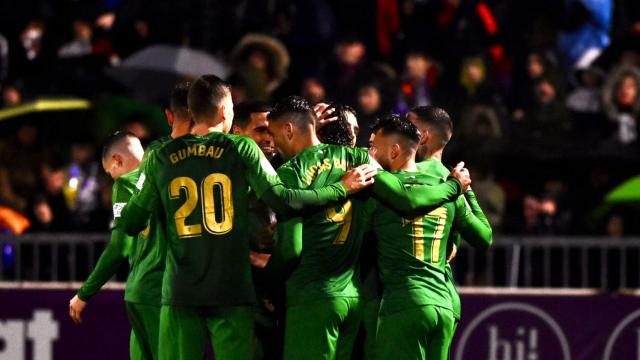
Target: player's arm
[[113, 256], [135, 216], [288, 249], [413, 200], [474, 229], [264, 180]]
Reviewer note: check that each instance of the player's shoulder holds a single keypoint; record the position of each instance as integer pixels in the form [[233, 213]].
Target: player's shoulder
[[433, 167]]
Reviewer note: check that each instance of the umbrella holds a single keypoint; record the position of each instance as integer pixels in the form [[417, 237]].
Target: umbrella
[[628, 192], [151, 72]]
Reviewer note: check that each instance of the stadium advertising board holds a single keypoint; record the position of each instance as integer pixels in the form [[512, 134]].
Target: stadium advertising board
[[34, 324]]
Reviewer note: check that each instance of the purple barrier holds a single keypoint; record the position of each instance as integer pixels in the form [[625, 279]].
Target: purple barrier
[[536, 327], [34, 324]]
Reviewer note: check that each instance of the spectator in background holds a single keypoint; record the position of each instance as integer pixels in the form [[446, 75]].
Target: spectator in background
[[348, 70], [4, 59], [584, 103], [490, 195], [11, 95], [262, 62], [313, 90], [136, 125], [22, 162], [417, 82], [621, 101], [373, 103], [81, 43], [82, 186], [547, 121], [538, 65], [48, 210]]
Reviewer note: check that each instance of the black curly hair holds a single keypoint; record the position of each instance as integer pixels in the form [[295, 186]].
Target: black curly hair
[[337, 132]]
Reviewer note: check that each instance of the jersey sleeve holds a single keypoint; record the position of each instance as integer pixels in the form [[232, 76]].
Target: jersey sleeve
[[413, 200], [475, 231], [110, 261], [135, 214], [267, 185], [116, 251], [288, 248]]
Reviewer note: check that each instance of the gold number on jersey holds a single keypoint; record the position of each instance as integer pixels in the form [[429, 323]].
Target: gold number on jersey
[[212, 184], [191, 201], [440, 216], [341, 214]]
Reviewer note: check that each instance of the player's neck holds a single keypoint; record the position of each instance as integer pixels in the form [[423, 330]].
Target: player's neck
[[180, 128], [306, 142], [204, 129], [435, 155], [408, 164]]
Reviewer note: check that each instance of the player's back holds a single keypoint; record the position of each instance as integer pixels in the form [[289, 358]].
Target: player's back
[[204, 193], [330, 246], [412, 252]]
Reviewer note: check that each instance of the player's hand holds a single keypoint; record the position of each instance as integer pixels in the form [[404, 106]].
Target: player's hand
[[324, 114], [358, 178], [259, 260], [462, 174], [76, 306], [454, 252]]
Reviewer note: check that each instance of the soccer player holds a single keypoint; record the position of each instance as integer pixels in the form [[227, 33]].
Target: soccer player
[[416, 319], [436, 129], [323, 306], [201, 182], [250, 119], [121, 159]]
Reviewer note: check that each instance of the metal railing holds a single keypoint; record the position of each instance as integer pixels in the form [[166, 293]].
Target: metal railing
[[547, 262], [528, 262]]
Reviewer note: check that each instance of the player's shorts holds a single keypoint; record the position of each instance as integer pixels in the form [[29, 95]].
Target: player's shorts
[[370, 322], [184, 332], [145, 324], [325, 329], [423, 332]]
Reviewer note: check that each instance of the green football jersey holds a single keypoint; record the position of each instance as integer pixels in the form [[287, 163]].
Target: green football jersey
[[330, 242], [474, 224], [201, 183], [119, 249], [149, 249], [412, 252]]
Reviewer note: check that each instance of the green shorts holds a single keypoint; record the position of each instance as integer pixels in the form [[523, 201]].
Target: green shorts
[[145, 321], [423, 332], [184, 332], [322, 330]]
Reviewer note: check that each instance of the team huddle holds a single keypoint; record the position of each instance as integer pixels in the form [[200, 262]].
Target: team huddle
[[356, 265]]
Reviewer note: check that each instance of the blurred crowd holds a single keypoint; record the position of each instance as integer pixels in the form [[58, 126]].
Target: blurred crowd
[[545, 94]]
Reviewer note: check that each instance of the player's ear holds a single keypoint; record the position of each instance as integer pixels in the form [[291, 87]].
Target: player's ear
[[117, 159], [169, 114], [288, 127], [395, 151], [424, 136]]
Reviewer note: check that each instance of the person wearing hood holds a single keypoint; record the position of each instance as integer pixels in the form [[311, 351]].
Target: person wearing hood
[[621, 101]]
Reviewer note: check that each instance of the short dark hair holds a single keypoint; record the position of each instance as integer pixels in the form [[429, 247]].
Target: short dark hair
[[205, 95], [394, 124], [436, 118], [294, 108], [242, 111], [178, 102], [337, 132], [114, 140]]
